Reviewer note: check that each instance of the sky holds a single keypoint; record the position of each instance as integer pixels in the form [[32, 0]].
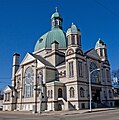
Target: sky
[[22, 22]]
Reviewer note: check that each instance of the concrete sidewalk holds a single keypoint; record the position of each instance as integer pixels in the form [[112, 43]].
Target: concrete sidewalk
[[57, 112], [76, 111]]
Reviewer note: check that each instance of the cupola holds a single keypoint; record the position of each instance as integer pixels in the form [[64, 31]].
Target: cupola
[[56, 19], [74, 36], [101, 49]]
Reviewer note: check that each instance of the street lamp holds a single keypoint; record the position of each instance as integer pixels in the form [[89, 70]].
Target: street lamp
[[90, 92]]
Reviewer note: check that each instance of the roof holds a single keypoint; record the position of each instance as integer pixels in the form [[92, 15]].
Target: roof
[[11, 87], [56, 14], [92, 53], [73, 29], [45, 62], [45, 41], [99, 43]]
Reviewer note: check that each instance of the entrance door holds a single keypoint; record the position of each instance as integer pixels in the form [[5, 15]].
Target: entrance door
[[59, 107], [96, 96]]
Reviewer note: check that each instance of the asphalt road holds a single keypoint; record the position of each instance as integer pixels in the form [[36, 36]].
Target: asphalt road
[[102, 115]]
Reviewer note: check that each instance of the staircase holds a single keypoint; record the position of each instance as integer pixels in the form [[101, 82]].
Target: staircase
[[67, 104]]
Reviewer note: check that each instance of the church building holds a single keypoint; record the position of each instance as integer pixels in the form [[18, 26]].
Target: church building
[[59, 75]]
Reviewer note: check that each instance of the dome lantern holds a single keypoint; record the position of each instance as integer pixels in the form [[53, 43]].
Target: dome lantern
[[56, 19]]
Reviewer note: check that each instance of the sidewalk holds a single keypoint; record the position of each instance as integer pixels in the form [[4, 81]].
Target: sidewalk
[[58, 112], [76, 111]]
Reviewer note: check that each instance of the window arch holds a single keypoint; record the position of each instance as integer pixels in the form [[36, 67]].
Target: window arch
[[59, 92], [95, 74], [71, 92], [28, 82], [81, 92], [70, 51]]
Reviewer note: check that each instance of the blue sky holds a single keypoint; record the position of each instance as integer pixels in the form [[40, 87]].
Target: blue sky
[[22, 22]]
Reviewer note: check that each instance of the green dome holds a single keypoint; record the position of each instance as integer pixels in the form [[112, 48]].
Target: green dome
[[73, 29], [56, 34], [100, 43]]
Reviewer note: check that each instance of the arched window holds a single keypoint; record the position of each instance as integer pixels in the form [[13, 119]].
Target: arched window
[[71, 92], [95, 74], [81, 92], [59, 92], [28, 82]]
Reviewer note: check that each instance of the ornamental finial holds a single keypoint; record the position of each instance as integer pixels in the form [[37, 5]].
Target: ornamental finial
[[56, 9]]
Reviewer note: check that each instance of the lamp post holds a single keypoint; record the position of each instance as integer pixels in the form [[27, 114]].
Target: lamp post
[[90, 91]]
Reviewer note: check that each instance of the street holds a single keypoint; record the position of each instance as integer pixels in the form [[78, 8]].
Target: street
[[102, 115]]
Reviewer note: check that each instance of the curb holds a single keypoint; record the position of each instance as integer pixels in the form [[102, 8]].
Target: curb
[[56, 113]]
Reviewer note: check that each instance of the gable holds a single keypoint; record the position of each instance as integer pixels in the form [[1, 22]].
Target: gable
[[7, 88], [28, 58]]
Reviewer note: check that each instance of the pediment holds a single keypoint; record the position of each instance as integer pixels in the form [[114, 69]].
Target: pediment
[[7, 88], [28, 58]]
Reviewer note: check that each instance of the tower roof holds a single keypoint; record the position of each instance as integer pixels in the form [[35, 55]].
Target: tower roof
[[56, 14], [100, 43], [73, 29]]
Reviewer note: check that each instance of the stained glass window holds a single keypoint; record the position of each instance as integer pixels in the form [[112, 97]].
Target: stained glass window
[[28, 82], [95, 74]]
